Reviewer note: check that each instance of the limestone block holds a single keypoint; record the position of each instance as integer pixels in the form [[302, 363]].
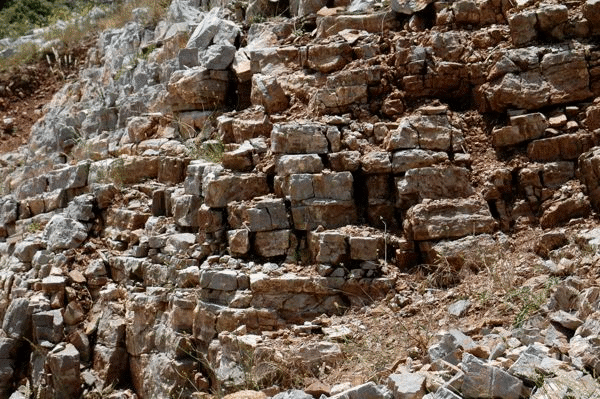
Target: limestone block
[[17, 318], [448, 218], [239, 159], [171, 170], [272, 243], [140, 128], [238, 241], [213, 29], [185, 209], [222, 280], [560, 148], [344, 161], [327, 58], [68, 177], [63, 362], [302, 163], [263, 214], [299, 138], [523, 27], [523, 128], [64, 233], [329, 247], [404, 160], [267, 91], [196, 88], [217, 56], [376, 162], [364, 248], [432, 183], [324, 212], [126, 219], [193, 177], [48, 326], [224, 189], [407, 386]]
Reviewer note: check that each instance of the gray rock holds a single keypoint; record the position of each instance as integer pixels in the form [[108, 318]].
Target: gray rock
[[459, 308], [63, 362], [432, 183], [219, 191], [293, 394], [68, 177], [81, 208], [217, 56], [213, 30], [272, 243], [365, 391], [407, 386], [439, 219], [25, 250], [402, 161], [17, 319], [48, 326], [409, 7], [263, 214], [484, 381], [302, 163], [267, 91], [296, 138], [64, 233]]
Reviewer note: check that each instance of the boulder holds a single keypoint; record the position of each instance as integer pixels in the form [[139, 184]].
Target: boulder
[[196, 88], [64, 233], [407, 386]]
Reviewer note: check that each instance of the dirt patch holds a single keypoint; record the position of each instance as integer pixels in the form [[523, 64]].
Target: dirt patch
[[25, 90]]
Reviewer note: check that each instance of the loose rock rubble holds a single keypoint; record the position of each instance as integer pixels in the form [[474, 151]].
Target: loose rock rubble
[[202, 209]]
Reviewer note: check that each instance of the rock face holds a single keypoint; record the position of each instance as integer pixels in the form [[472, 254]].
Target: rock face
[[214, 178]]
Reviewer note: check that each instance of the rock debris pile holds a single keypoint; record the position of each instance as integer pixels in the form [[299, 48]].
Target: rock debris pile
[[238, 174]]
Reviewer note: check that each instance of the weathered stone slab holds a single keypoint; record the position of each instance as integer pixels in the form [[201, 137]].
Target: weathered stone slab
[[416, 158], [439, 219], [329, 247], [432, 183], [221, 190], [299, 138], [323, 212], [523, 128], [272, 243], [302, 163], [68, 177], [484, 381], [560, 148], [263, 214]]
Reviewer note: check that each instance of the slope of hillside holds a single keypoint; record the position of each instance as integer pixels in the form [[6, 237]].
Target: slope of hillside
[[355, 200]]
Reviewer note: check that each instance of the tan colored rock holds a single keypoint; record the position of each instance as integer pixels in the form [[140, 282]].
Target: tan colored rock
[[371, 22], [560, 148], [299, 138], [329, 247], [227, 188], [267, 91], [328, 58], [272, 243], [246, 395], [448, 218], [432, 183]]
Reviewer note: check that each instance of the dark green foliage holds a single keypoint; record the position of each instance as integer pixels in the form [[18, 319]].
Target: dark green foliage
[[17, 17]]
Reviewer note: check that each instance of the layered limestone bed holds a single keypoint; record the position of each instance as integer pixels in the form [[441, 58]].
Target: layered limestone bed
[[241, 172]]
